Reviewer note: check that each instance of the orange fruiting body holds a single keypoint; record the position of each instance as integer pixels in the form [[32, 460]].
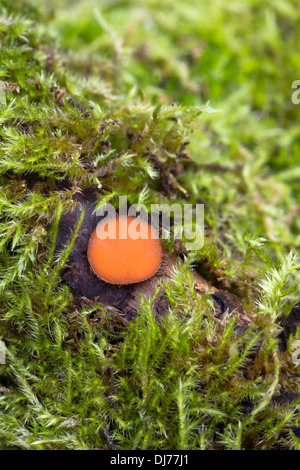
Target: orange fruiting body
[[124, 250]]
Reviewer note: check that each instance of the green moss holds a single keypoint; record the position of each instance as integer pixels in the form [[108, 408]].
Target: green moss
[[141, 85]]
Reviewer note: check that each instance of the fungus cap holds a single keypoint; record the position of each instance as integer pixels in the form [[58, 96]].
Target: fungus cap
[[124, 250]]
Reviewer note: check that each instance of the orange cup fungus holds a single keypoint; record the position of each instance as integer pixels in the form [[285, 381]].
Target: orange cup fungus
[[124, 250]]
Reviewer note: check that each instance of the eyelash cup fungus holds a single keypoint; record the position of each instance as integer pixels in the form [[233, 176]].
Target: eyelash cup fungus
[[124, 250]]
